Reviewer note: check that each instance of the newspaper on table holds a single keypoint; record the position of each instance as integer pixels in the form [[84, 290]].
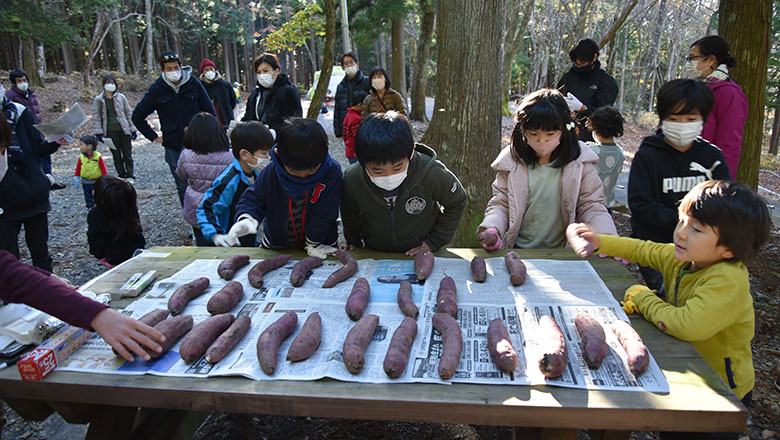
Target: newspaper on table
[[65, 125], [560, 289]]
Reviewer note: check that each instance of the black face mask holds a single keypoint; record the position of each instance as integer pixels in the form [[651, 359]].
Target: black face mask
[[582, 69]]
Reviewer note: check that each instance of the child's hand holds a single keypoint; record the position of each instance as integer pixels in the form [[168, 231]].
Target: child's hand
[[490, 239], [582, 239], [77, 180], [223, 240], [421, 248], [125, 334], [244, 226]]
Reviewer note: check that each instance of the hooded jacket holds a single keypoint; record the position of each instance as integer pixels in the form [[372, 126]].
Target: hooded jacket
[[582, 195], [175, 108], [344, 91], [123, 114], [276, 104], [726, 122], [595, 88], [660, 177], [200, 171], [222, 96], [428, 208]]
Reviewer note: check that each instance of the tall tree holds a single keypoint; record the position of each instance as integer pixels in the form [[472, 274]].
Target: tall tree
[[116, 34], [150, 64], [420, 67], [516, 24], [398, 73], [327, 64], [466, 128]]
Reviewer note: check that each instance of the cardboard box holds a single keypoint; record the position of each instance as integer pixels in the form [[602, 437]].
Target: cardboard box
[[38, 363]]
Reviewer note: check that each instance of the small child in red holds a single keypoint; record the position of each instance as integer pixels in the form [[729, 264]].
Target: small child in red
[[89, 168], [352, 123]]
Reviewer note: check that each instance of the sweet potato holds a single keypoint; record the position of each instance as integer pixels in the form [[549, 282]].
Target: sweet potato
[[478, 269], [447, 297], [636, 351], [516, 268], [258, 270], [186, 293], [400, 346], [581, 246], [452, 344], [228, 267], [302, 268], [553, 356], [487, 239], [228, 339], [593, 341], [405, 301], [200, 338], [500, 346], [227, 298], [353, 351], [348, 269], [308, 340], [423, 265], [154, 317], [173, 329], [272, 337], [358, 299]]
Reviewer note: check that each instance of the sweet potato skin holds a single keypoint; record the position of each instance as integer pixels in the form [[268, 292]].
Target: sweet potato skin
[[272, 337], [257, 271], [405, 301], [554, 356], [594, 342], [348, 269], [308, 339], [516, 268], [227, 298], [479, 269], [302, 268], [423, 265], [358, 338], [636, 351], [173, 329], [452, 344], [500, 346], [400, 346], [186, 293], [154, 317], [487, 239], [228, 267], [358, 299], [228, 339], [200, 338], [447, 296]]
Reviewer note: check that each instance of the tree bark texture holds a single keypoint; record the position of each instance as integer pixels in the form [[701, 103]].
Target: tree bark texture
[[514, 37], [398, 74], [119, 46], [150, 64], [29, 61], [420, 68], [773, 141], [466, 126], [327, 67]]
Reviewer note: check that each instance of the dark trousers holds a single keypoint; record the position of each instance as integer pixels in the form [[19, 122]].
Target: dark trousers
[[36, 233], [89, 191], [172, 159], [123, 154]]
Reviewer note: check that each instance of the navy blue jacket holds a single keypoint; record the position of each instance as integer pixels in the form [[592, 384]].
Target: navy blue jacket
[[283, 101], [223, 97], [344, 98]]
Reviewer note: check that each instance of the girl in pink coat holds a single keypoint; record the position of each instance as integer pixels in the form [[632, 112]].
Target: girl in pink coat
[[545, 180]]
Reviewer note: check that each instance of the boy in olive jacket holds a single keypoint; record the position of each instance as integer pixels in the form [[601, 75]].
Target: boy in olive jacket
[[400, 198]]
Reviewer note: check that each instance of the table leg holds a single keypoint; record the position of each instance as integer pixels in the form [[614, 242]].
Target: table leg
[[114, 422], [32, 410]]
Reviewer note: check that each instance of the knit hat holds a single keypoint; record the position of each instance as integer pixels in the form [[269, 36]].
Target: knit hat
[[206, 63]]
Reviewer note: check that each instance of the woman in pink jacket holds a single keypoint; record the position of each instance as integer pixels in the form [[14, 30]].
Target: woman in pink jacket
[[709, 59], [545, 180]]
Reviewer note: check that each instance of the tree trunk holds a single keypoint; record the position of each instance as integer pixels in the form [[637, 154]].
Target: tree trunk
[[29, 63], [383, 50], [420, 68], [119, 45], [579, 26], [652, 67], [618, 23], [67, 58], [514, 37], [623, 70], [225, 57], [151, 66], [134, 49], [751, 49], [468, 144], [398, 73], [773, 141], [236, 66], [327, 65]]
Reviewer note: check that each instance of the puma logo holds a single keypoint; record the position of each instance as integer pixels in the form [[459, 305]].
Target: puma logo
[[700, 168]]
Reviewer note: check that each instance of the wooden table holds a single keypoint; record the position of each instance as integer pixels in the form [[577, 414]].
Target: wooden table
[[698, 400]]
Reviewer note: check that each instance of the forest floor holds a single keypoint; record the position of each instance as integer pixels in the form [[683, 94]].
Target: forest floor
[[161, 218]]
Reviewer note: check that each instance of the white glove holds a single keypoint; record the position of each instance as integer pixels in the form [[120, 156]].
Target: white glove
[[273, 132], [223, 240], [320, 251], [575, 104], [244, 226]]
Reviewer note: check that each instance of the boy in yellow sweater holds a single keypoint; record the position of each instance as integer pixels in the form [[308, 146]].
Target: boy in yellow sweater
[[89, 168]]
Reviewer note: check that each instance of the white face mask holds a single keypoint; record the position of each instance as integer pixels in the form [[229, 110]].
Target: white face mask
[[173, 75], [23, 86], [691, 69], [681, 133], [260, 164], [3, 164], [266, 79], [351, 70], [391, 182], [210, 75], [110, 88], [378, 84]]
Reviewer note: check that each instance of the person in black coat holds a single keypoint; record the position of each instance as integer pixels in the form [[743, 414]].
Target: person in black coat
[[275, 98], [219, 90], [586, 85], [353, 81]]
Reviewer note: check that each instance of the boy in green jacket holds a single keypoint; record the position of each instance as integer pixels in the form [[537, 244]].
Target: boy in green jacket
[[400, 198]]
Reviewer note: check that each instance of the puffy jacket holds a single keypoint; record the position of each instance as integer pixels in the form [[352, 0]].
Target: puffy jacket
[[200, 171], [123, 114], [595, 88], [272, 106], [27, 99], [392, 100], [343, 100], [582, 195], [223, 97], [726, 123]]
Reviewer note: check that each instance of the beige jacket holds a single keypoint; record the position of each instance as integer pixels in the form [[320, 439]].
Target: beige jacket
[[392, 100], [582, 196], [123, 113]]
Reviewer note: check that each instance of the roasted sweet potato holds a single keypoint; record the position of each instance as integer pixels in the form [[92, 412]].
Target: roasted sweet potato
[[308, 339], [423, 265], [405, 301], [400, 346], [228, 267], [478, 269], [227, 298], [186, 293], [154, 317], [228, 339], [302, 268], [348, 269], [173, 329], [593, 341], [516, 268], [358, 299], [272, 337], [487, 239], [200, 338], [636, 351], [258, 270], [452, 344], [553, 356], [356, 342], [500, 346], [581, 246], [447, 297]]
